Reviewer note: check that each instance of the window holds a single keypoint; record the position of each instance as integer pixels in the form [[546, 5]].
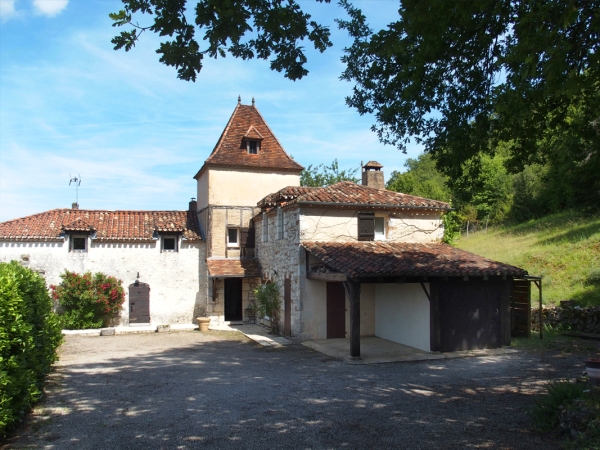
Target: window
[[233, 237], [366, 226], [279, 223], [253, 147], [265, 228], [379, 228], [169, 243], [79, 243]]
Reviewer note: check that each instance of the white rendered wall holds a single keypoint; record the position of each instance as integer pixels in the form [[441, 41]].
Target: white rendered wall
[[337, 225], [402, 314], [241, 187], [314, 312], [175, 294]]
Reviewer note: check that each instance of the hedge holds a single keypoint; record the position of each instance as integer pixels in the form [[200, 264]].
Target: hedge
[[29, 336]]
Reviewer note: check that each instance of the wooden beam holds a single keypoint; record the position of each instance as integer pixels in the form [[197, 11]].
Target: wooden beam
[[326, 276], [425, 290], [353, 290]]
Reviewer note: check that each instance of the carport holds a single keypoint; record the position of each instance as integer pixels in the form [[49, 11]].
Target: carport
[[468, 295]]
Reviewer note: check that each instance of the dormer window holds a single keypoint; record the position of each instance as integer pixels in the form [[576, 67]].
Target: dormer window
[[253, 147], [78, 243], [169, 243]]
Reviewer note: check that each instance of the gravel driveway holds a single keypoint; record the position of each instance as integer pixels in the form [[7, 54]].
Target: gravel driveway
[[219, 390]]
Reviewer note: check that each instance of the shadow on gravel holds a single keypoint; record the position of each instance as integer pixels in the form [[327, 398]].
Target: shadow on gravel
[[235, 395]]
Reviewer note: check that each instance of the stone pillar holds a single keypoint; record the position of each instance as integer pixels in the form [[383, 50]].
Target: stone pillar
[[353, 290]]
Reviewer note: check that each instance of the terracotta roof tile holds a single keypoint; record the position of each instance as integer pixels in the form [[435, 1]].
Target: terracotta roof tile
[[396, 259], [107, 225], [346, 192], [224, 268], [246, 122]]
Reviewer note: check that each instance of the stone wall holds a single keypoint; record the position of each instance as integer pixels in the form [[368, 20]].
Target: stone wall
[[568, 316], [283, 258]]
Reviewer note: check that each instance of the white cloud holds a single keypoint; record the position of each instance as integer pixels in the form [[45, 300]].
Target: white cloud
[[7, 9], [49, 8]]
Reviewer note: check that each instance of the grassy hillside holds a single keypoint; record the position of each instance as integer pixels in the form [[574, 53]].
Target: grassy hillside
[[564, 248]]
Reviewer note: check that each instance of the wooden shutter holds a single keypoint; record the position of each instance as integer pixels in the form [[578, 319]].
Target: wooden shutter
[[247, 237], [366, 226]]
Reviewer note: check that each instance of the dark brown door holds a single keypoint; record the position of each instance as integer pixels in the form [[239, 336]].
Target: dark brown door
[[520, 309], [336, 311], [139, 303], [233, 299], [470, 314], [287, 305]]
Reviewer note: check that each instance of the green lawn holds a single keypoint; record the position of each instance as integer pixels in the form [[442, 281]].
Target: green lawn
[[563, 248]]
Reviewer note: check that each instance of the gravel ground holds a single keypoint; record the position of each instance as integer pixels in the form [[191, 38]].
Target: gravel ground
[[219, 390]]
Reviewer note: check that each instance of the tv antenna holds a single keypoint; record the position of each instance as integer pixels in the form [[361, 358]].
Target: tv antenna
[[77, 181]]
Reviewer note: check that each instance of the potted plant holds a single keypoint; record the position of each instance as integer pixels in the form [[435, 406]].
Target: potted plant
[[268, 303]]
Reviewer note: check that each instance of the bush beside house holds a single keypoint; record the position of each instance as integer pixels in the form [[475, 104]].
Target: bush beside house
[[29, 336], [88, 300]]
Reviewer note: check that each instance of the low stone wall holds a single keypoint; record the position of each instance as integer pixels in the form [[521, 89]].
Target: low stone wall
[[569, 316]]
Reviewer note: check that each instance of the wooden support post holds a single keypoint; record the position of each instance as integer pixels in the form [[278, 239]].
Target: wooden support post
[[353, 290]]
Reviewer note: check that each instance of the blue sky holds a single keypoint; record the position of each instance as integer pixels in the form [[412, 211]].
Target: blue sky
[[71, 105]]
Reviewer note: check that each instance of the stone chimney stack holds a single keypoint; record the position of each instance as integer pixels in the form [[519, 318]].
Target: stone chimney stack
[[74, 205], [193, 204], [372, 176]]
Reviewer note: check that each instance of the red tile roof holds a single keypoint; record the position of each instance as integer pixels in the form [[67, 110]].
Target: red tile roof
[[397, 259], [108, 225], [247, 123], [350, 194], [224, 268]]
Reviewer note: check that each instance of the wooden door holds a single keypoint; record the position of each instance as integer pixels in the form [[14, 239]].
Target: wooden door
[[520, 309], [287, 307], [233, 299], [469, 314], [139, 303], [336, 311]]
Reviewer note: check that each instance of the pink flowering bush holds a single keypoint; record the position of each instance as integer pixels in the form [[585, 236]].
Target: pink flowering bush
[[88, 300]]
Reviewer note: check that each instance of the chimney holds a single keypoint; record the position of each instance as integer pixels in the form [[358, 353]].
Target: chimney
[[372, 176], [74, 205], [193, 204]]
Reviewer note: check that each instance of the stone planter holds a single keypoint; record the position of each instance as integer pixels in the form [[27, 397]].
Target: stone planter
[[592, 367], [203, 323]]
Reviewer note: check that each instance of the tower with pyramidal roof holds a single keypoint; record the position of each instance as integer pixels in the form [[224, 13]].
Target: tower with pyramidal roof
[[247, 163]]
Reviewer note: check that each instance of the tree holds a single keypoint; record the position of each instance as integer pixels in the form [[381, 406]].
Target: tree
[[421, 178], [458, 76], [461, 76], [322, 175], [246, 29]]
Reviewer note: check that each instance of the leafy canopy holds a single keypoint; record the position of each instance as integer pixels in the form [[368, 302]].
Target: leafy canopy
[[322, 175], [458, 76], [246, 29]]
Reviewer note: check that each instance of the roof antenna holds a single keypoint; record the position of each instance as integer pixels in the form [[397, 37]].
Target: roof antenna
[[239, 99], [77, 181], [252, 101]]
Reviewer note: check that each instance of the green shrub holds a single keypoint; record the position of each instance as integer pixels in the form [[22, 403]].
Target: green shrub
[[88, 301], [268, 302], [593, 278], [29, 336], [546, 410], [452, 223]]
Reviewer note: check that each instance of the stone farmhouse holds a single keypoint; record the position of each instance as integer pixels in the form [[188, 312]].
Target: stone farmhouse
[[350, 260]]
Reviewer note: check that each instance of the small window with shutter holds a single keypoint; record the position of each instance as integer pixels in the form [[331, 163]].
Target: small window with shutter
[[366, 226]]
